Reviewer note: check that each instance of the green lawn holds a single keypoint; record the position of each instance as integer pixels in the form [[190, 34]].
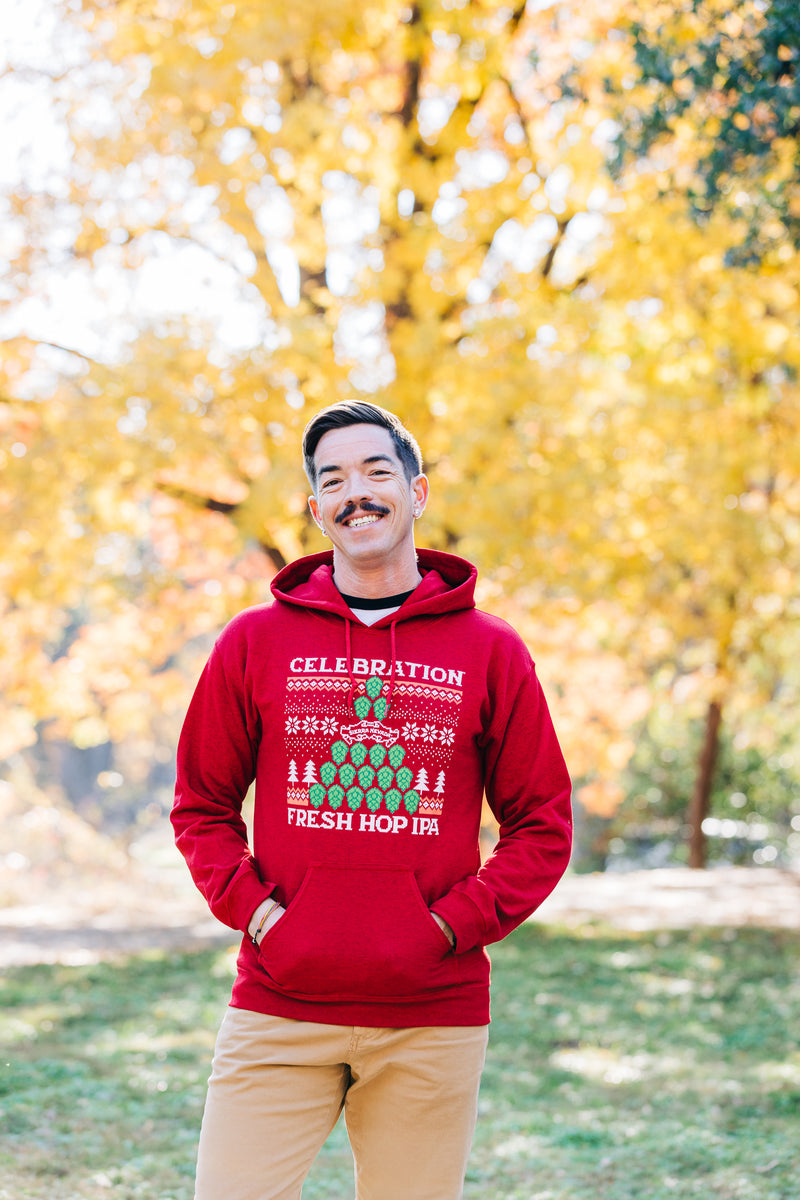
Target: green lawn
[[646, 1066]]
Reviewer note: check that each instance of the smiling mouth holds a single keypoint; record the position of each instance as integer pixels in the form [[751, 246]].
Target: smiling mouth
[[360, 522]]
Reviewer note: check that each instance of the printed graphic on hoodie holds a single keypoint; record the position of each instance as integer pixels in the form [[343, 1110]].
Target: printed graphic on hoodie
[[374, 746]]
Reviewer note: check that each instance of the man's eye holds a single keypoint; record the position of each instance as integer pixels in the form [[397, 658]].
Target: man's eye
[[329, 483]]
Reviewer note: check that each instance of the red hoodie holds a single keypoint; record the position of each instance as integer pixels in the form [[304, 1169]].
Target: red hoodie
[[371, 748]]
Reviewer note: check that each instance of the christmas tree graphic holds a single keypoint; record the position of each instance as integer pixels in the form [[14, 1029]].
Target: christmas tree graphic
[[295, 793], [430, 806], [355, 774]]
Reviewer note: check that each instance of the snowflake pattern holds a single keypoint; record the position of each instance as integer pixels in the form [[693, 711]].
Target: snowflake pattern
[[313, 725], [328, 726]]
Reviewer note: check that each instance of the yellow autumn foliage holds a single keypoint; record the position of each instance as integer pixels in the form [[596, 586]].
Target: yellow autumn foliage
[[416, 210]]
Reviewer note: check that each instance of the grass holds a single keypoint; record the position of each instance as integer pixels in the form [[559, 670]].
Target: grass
[[648, 1066]]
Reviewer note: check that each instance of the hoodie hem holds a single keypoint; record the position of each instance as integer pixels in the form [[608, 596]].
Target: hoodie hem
[[462, 1006]]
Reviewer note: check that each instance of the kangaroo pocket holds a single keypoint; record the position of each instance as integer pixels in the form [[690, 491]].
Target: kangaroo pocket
[[355, 933]]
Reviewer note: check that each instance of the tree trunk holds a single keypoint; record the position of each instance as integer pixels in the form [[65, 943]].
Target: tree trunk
[[701, 799]]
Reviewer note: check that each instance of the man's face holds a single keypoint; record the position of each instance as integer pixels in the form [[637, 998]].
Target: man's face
[[364, 502]]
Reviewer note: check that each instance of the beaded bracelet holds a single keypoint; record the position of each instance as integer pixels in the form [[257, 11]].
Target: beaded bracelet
[[275, 904]]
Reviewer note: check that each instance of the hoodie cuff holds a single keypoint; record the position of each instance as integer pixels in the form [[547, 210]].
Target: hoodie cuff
[[249, 892], [464, 918]]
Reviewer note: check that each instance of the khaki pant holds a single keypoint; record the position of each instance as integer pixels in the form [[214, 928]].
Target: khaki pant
[[278, 1086]]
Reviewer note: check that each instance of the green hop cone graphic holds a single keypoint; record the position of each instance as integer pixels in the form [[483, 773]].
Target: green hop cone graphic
[[327, 773], [335, 796], [393, 798], [404, 777], [371, 775], [354, 798], [366, 775], [377, 754], [316, 794], [339, 751], [411, 801], [396, 755], [385, 777], [358, 752], [373, 798]]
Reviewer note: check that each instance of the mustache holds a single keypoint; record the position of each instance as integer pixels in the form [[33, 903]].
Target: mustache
[[366, 506]]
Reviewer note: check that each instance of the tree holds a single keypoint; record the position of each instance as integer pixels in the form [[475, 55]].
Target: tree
[[725, 365], [167, 454], [414, 203], [721, 80]]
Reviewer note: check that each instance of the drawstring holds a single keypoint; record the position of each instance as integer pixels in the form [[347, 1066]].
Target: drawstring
[[349, 658], [393, 639]]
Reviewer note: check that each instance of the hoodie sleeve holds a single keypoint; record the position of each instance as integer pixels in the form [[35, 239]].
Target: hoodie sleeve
[[216, 764], [528, 790]]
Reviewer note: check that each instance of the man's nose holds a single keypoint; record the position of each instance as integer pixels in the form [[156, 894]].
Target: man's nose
[[357, 489]]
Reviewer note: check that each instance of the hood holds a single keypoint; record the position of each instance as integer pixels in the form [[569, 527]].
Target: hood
[[448, 585]]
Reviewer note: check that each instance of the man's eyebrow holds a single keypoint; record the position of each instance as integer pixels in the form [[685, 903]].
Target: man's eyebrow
[[373, 458]]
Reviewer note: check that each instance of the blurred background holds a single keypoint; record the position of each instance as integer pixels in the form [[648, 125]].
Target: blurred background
[[560, 240]]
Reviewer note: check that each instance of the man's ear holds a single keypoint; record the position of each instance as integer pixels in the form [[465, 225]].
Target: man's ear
[[312, 504], [421, 489]]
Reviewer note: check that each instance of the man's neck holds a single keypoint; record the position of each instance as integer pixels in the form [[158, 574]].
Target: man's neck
[[380, 581]]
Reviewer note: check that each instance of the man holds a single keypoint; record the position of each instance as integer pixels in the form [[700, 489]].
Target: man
[[374, 706]]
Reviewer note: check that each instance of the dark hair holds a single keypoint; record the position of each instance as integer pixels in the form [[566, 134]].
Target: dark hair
[[359, 412]]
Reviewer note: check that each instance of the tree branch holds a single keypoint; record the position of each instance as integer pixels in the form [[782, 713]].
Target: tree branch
[[226, 507], [35, 342], [547, 266]]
